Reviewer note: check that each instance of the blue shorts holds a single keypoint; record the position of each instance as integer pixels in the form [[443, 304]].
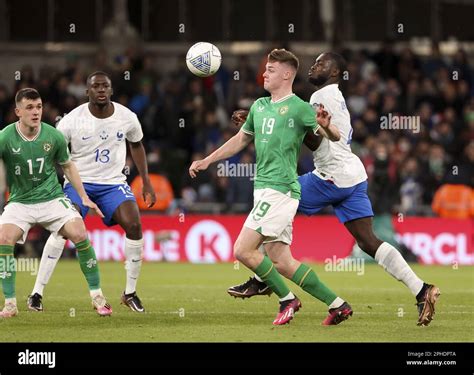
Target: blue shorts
[[349, 203], [107, 197]]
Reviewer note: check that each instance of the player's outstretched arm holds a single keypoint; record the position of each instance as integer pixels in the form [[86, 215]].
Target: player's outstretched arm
[[327, 129], [139, 158], [72, 175], [234, 145]]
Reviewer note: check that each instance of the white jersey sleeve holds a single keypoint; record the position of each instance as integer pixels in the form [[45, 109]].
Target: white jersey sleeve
[[135, 133], [65, 128], [335, 160]]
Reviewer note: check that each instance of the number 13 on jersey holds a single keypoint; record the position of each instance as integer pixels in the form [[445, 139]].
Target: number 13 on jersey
[[102, 156]]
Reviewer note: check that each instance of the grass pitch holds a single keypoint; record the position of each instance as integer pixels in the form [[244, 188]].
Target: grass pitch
[[189, 303]]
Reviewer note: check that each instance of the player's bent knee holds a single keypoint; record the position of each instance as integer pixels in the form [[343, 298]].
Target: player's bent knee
[[239, 252], [79, 236], [133, 230]]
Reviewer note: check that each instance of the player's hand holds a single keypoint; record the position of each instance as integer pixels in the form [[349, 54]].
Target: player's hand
[[88, 203], [198, 165], [322, 117], [149, 195], [238, 117]]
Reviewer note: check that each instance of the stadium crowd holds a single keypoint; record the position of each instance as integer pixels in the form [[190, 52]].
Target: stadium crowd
[[185, 117]]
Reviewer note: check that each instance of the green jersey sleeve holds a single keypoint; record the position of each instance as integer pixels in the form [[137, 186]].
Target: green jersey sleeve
[[62, 152], [248, 127], [308, 117]]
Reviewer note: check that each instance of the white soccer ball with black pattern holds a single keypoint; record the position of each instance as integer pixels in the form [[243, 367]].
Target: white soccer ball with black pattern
[[203, 59]]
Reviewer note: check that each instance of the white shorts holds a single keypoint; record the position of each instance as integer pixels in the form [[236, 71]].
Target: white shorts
[[272, 215], [51, 215]]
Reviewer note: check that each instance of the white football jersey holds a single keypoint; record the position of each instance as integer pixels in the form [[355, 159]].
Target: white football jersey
[[335, 160], [98, 146]]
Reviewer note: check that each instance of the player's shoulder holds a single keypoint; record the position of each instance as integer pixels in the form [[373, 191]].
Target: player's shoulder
[[298, 101], [71, 117], [80, 110], [298, 104], [121, 111], [9, 129], [50, 129], [325, 93], [264, 100], [7, 133]]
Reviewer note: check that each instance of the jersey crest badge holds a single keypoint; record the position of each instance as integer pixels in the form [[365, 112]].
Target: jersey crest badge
[[119, 136], [103, 135], [283, 110], [47, 147]]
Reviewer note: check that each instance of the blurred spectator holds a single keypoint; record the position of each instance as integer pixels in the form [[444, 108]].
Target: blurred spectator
[[454, 202], [383, 184], [411, 190]]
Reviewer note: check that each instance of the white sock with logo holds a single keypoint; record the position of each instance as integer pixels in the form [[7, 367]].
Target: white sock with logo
[[336, 303], [133, 263], [51, 253], [392, 261], [287, 297]]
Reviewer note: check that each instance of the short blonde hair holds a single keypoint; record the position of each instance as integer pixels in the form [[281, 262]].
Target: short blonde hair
[[283, 56]]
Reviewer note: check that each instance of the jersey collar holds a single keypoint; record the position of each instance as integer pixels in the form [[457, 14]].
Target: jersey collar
[[282, 99], [17, 126]]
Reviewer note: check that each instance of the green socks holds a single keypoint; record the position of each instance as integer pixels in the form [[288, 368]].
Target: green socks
[[88, 263], [7, 270], [307, 279], [268, 273]]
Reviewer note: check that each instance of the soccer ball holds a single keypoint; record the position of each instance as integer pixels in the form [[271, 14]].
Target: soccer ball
[[203, 59]]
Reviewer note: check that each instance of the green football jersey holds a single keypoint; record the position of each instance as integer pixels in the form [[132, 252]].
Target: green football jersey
[[279, 129], [30, 164]]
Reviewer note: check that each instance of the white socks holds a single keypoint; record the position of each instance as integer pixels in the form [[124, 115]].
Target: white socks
[[336, 303], [392, 261], [54, 247], [287, 297], [51, 253], [133, 263], [10, 301], [95, 292]]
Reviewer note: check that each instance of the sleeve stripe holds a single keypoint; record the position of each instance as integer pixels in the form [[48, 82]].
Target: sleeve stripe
[[64, 162], [247, 131]]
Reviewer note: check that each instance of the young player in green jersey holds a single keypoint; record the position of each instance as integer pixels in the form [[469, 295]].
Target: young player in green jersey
[[277, 125], [30, 150]]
